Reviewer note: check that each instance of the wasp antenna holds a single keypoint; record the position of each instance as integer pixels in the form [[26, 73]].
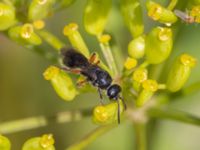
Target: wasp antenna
[[124, 104], [118, 112]]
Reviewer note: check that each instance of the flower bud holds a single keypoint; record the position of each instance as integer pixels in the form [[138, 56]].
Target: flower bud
[[180, 72], [159, 13], [132, 14], [7, 16], [71, 31], [25, 35], [195, 12], [61, 82], [45, 142], [39, 24], [136, 47], [39, 9], [95, 15], [130, 63], [149, 87], [4, 143], [139, 76], [106, 114], [159, 44]]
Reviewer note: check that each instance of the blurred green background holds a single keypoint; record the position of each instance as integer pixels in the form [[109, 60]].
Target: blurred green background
[[24, 92]]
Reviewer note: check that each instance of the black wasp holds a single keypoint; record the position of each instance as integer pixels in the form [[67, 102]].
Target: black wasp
[[77, 63]]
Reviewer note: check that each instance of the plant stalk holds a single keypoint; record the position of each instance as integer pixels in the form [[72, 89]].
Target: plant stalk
[[140, 135], [40, 121], [176, 115], [90, 137]]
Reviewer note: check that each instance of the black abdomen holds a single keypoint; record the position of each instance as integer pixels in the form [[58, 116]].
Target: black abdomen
[[97, 76], [74, 59]]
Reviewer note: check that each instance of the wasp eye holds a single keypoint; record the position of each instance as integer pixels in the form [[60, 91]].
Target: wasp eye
[[113, 91]]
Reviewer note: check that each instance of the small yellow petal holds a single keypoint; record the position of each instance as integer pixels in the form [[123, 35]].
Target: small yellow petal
[[39, 24], [130, 63], [155, 11], [26, 30], [187, 60], [46, 140], [68, 29], [140, 75], [150, 85], [165, 34], [50, 72], [100, 113], [105, 38]]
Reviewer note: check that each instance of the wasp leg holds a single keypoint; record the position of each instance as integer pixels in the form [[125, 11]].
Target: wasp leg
[[124, 104], [118, 112], [75, 71], [96, 63], [93, 58], [81, 82], [101, 96]]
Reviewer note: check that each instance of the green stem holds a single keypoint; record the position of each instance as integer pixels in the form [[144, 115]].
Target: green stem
[[118, 55], [176, 115], [140, 135], [162, 86], [106, 50], [51, 39], [40, 121], [144, 64], [91, 137], [172, 4]]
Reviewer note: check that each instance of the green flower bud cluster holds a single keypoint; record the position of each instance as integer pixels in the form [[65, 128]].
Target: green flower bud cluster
[[146, 50], [61, 82], [160, 14], [155, 48], [45, 142], [24, 35], [95, 15], [180, 72], [106, 114]]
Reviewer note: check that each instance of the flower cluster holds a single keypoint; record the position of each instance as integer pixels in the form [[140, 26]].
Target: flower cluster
[[146, 49]]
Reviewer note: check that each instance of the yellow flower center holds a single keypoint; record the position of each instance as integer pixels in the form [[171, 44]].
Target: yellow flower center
[[140, 75], [150, 85], [39, 24], [188, 60], [26, 30], [46, 140], [50, 72], [195, 11], [68, 29], [155, 11], [164, 34], [130, 63], [100, 113], [104, 38]]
